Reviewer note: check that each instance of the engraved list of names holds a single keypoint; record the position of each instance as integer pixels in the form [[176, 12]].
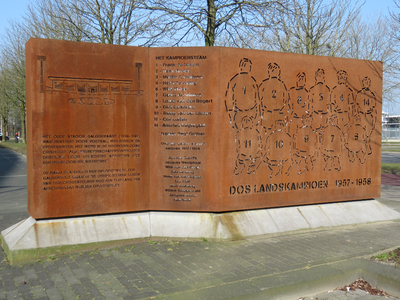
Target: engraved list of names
[[183, 107]]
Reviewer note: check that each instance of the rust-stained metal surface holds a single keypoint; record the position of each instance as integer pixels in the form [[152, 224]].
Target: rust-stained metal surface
[[87, 128], [184, 105], [119, 128], [308, 132]]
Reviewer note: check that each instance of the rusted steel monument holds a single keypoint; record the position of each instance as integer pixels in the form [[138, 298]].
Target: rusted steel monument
[[124, 129]]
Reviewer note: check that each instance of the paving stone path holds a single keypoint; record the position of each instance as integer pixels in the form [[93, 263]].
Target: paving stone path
[[171, 269], [156, 268]]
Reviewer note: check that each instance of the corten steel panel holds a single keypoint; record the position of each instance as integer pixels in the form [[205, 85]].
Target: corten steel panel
[[87, 128], [220, 129], [184, 108], [298, 129]]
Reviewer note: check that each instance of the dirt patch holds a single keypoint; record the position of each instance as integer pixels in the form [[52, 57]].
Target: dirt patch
[[361, 284], [391, 258]]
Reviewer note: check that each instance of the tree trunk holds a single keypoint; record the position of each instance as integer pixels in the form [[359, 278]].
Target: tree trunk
[[23, 125], [4, 128], [309, 35], [210, 33]]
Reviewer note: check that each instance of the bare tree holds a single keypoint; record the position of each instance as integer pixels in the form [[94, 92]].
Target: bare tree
[[148, 22], [52, 19], [203, 22], [372, 40], [99, 21], [12, 73], [314, 27], [395, 18], [5, 107], [392, 75]]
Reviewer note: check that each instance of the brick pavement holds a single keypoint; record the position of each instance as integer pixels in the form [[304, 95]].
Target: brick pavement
[[390, 179], [195, 270], [168, 267]]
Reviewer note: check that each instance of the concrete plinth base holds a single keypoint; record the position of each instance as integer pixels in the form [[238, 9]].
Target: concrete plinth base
[[31, 239]]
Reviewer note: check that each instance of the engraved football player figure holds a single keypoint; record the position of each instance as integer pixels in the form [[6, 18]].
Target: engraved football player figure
[[365, 106], [241, 97], [357, 139], [305, 145], [332, 142], [273, 98], [249, 148], [342, 100], [277, 150], [320, 100], [298, 101]]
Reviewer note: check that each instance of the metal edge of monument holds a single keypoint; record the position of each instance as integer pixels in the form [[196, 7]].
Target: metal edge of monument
[[116, 129]]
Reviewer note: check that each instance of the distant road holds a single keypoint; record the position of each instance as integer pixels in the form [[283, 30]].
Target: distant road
[[13, 193], [391, 157], [394, 147]]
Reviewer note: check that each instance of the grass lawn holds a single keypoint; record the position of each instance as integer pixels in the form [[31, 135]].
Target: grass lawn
[[390, 257], [17, 147], [390, 168]]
